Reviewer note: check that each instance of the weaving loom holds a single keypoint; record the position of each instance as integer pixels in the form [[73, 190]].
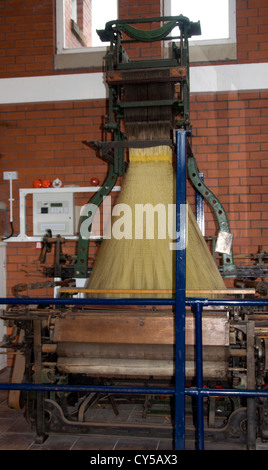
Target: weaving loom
[[100, 343], [149, 263], [146, 95]]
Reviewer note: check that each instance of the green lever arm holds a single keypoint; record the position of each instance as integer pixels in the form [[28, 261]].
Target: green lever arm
[[81, 265], [153, 35], [188, 27], [213, 201]]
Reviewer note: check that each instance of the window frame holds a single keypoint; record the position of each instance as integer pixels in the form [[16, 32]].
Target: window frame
[[93, 57], [208, 50], [71, 58]]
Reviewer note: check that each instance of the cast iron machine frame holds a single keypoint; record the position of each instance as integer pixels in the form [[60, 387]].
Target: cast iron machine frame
[[121, 71]]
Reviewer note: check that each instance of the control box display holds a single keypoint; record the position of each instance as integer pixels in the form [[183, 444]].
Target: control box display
[[53, 211]]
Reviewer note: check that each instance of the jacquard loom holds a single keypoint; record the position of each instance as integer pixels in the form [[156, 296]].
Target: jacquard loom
[[148, 100]]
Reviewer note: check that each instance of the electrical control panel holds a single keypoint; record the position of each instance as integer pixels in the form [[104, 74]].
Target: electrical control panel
[[54, 211]]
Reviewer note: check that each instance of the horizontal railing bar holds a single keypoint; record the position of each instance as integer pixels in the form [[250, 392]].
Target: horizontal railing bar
[[84, 301], [199, 392], [227, 302], [87, 388], [206, 392], [130, 301], [191, 391]]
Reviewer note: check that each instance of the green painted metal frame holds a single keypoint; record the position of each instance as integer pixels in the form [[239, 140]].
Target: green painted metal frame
[[215, 204], [117, 59], [187, 27], [81, 266]]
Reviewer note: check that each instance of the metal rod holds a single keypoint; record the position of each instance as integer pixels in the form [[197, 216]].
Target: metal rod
[[180, 392], [74, 290], [86, 388], [180, 284], [251, 402], [206, 392], [40, 410], [191, 302], [191, 391], [84, 301], [199, 208], [199, 375]]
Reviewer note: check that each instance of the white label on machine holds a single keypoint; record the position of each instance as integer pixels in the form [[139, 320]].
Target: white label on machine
[[53, 211], [53, 227], [224, 243]]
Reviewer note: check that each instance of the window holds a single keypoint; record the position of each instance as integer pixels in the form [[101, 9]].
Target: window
[[102, 12], [77, 21], [218, 27], [76, 24], [78, 44]]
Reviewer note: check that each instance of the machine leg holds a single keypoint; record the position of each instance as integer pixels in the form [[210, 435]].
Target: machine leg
[[251, 402], [179, 427], [40, 412]]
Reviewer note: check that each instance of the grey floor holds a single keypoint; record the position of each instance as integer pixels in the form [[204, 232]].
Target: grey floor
[[17, 434]]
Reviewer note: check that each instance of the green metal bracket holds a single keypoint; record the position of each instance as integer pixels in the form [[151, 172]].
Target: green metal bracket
[[140, 104], [186, 26], [116, 59], [144, 36], [215, 204], [81, 265]]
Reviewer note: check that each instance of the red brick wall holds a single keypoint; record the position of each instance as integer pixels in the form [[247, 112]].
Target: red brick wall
[[28, 32], [230, 140], [45, 139], [252, 30], [27, 38], [83, 22], [84, 19], [142, 9]]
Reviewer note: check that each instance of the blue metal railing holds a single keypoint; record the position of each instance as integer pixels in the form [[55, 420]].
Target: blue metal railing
[[180, 286], [179, 391]]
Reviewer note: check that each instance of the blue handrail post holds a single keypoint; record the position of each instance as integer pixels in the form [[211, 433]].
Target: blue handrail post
[[180, 285], [198, 308]]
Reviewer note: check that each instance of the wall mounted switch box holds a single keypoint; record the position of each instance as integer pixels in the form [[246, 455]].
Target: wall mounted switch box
[[53, 211]]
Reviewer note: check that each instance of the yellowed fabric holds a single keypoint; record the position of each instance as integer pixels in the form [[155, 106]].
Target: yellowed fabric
[[150, 263], [151, 154]]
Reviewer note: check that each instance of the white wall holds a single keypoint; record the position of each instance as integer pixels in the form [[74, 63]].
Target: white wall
[[90, 86]]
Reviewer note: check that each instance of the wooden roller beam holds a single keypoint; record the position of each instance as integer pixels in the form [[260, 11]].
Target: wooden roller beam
[[172, 74], [133, 367], [134, 327]]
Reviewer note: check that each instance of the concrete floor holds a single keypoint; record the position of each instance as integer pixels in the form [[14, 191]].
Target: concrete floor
[[17, 434]]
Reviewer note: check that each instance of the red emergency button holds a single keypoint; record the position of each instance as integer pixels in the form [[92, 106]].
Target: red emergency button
[[95, 181]]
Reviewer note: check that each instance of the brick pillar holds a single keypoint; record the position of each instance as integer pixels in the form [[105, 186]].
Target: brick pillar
[[142, 9]]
